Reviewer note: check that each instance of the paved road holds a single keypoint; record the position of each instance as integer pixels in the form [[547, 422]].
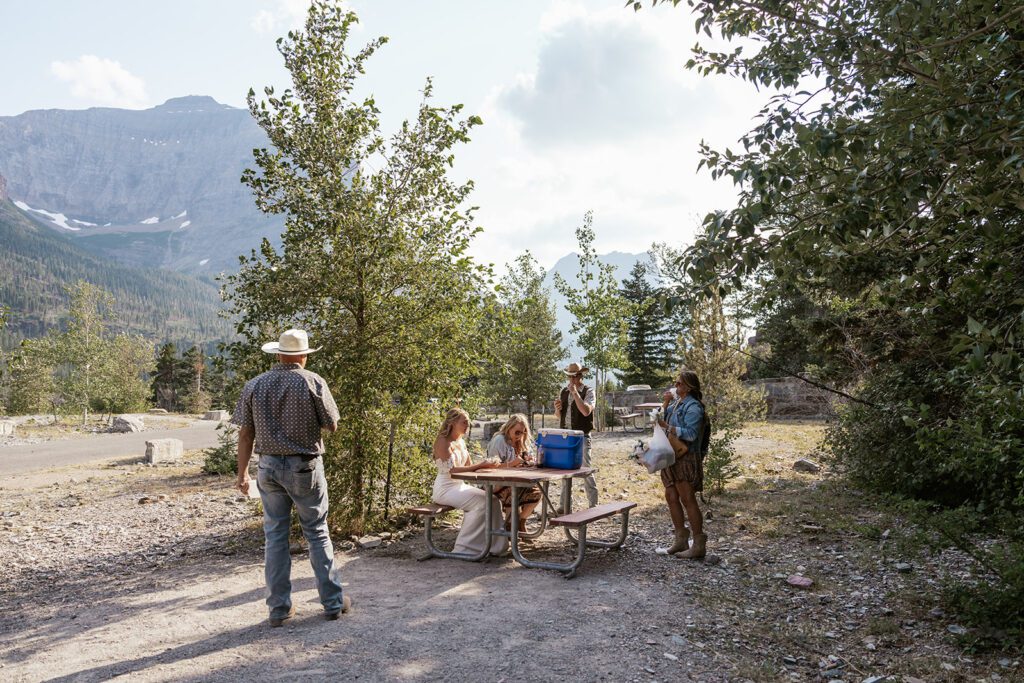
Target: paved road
[[19, 459]]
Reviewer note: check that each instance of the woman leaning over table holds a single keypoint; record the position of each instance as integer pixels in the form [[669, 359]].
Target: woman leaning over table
[[685, 419], [451, 457], [511, 445]]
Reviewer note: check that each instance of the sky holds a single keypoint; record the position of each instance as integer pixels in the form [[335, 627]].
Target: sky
[[586, 104]]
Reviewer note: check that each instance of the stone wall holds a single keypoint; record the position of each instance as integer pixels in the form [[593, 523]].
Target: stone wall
[[792, 398], [787, 397]]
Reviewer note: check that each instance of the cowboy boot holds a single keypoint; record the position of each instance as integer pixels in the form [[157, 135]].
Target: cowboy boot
[[699, 548], [682, 542]]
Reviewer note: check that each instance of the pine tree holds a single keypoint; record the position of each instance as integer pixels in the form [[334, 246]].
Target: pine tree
[[194, 398], [649, 341], [165, 378]]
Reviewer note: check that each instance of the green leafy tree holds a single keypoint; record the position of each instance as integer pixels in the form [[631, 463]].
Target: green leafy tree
[[81, 350], [891, 189], [122, 386], [31, 385], [711, 348], [886, 190], [373, 262], [528, 343], [600, 312], [649, 340]]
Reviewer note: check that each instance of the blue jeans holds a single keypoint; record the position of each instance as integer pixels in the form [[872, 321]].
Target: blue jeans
[[282, 481]]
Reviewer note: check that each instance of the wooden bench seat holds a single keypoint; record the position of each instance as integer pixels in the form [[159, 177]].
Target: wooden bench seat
[[575, 520], [429, 510]]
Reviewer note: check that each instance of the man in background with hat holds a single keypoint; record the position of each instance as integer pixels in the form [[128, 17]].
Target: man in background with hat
[[281, 413], [576, 402]]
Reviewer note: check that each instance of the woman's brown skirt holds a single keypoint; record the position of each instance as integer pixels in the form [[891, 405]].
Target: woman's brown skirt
[[686, 468], [504, 494]]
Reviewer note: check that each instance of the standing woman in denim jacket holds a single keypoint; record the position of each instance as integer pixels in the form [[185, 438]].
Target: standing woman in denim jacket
[[684, 417]]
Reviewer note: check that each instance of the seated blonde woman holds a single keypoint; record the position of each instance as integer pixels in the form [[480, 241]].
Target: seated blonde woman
[[512, 446], [451, 457]]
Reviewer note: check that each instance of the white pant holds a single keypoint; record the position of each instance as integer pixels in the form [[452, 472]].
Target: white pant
[[474, 501]]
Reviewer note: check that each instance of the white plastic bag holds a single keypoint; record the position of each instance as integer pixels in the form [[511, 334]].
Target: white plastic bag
[[660, 453]]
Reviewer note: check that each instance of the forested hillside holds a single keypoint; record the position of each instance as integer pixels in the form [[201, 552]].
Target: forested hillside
[[36, 263]]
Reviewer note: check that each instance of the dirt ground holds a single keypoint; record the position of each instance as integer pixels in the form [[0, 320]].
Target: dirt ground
[[155, 574]]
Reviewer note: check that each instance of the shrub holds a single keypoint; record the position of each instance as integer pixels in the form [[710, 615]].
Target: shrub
[[223, 458], [720, 463]]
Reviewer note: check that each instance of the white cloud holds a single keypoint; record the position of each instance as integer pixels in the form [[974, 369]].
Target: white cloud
[[610, 120], [282, 15], [600, 75], [285, 15], [102, 81], [264, 21]]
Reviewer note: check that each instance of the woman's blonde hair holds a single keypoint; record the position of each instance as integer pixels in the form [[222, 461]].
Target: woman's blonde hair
[[513, 420], [450, 419]]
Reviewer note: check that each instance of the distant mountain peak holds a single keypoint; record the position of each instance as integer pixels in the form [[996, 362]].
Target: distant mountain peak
[[193, 103]]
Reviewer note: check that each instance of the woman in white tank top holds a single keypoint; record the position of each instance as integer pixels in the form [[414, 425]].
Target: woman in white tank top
[[452, 456]]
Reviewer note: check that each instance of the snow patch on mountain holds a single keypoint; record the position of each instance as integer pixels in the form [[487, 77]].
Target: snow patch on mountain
[[184, 225], [152, 220], [58, 218]]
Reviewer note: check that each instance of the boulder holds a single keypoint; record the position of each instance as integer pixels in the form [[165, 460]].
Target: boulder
[[127, 423], [6, 427], [164, 450], [219, 415], [805, 465], [369, 541]]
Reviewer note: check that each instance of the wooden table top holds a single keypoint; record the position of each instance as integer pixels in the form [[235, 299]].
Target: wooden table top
[[525, 475]]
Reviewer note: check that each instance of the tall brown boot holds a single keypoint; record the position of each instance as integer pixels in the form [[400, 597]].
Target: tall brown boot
[[698, 549], [682, 542]]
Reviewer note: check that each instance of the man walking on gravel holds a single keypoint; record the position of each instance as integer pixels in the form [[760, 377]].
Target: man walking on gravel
[[282, 413]]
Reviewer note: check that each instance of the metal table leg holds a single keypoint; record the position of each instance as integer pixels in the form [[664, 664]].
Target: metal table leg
[[568, 569], [470, 557], [567, 504]]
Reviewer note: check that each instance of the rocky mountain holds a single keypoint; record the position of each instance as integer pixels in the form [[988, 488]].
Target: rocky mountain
[[568, 267], [152, 188]]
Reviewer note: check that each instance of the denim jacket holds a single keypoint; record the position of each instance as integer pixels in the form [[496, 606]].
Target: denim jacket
[[686, 419]]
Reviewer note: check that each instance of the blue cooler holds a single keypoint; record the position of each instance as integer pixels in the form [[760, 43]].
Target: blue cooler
[[560, 448]]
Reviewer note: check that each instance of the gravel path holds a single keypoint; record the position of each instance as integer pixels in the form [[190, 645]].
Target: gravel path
[[95, 584]]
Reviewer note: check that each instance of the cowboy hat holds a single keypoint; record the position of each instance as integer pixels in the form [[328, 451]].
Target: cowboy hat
[[575, 369], [291, 343]]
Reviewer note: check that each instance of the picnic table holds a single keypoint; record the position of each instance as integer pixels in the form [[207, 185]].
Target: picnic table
[[627, 417], [646, 408], [525, 478]]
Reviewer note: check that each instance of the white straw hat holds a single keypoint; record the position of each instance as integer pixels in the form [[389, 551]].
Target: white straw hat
[[291, 343]]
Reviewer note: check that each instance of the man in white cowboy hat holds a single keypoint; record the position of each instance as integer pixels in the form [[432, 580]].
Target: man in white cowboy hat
[[282, 413], [575, 405]]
